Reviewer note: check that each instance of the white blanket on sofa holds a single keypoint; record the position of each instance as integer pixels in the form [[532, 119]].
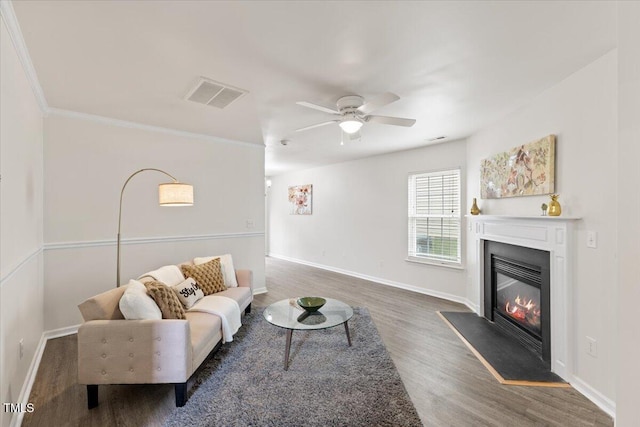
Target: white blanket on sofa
[[226, 308], [169, 275]]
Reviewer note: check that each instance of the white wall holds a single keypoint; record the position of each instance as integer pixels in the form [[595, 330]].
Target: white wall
[[21, 193], [582, 112], [359, 220], [628, 410], [86, 163]]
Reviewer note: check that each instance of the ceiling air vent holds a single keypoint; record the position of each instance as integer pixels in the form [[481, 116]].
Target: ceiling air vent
[[212, 93]]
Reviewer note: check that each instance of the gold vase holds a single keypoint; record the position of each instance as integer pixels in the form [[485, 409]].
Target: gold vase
[[554, 206], [475, 210]]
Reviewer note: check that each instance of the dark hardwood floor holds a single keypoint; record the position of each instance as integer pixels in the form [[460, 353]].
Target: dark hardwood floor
[[447, 384]]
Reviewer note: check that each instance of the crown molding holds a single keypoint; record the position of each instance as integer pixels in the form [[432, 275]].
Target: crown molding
[[13, 27], [151, 128]]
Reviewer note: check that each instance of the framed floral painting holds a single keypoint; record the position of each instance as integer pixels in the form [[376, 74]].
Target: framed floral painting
[[300, 198], [525, 170]]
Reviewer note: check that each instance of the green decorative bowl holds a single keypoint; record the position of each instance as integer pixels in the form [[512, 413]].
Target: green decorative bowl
[[311, 304]]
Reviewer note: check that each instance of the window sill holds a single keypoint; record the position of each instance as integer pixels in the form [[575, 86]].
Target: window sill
[[436, 263]]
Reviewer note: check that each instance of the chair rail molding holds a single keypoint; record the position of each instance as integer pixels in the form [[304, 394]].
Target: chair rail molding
[[148, 240]]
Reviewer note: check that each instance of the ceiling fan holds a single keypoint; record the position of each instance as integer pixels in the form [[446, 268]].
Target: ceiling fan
[[352, 112]]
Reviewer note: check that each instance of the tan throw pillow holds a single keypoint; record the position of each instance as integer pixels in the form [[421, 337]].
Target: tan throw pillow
[[226, 264], [208, 276], [168, 302]]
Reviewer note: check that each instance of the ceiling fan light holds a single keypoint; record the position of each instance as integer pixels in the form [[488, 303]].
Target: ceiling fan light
[[350, 125]]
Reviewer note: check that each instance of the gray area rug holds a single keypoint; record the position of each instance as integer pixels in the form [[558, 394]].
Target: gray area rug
[[328, 383]]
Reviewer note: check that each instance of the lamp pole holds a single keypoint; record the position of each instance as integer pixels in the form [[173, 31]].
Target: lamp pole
[[175, 181]]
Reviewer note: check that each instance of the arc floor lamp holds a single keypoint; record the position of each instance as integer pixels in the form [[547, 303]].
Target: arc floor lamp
[[174, 193]]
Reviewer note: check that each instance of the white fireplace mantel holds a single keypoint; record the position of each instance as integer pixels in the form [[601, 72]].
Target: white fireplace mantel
[[552, 234]]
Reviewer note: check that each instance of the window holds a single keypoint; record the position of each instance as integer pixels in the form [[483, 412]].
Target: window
[[434, 217]]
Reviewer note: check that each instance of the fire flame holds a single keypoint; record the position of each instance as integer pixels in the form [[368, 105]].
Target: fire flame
[[524, 310]]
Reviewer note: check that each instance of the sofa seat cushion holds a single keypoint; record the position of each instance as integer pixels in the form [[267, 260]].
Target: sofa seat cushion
[[206, 331], [241, 295]]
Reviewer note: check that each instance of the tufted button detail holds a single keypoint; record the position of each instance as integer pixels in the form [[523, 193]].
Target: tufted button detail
[[104, 356], [157, 353], [130, 354], [131, 339], [104, 340], [159, 339], [158, 368], [130, 369], [104, 372]]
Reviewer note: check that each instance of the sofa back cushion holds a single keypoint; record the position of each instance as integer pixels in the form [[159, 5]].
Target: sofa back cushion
[[104, 306]]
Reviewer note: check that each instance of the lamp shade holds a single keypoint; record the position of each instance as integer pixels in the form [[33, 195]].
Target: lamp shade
[[175, 194], [351, 125]]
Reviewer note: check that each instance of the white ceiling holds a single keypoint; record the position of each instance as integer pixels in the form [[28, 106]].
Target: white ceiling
[[458, 66]]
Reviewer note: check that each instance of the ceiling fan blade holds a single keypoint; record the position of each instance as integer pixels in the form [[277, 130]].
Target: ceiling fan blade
[[377, 102], [317, 125], [396, 121], [318, 107]]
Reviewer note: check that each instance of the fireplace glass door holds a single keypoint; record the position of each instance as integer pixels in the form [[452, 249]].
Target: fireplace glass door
[[519, 302], [517, 297]]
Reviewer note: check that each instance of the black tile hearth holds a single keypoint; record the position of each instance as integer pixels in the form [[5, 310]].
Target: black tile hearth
[[512, 361]]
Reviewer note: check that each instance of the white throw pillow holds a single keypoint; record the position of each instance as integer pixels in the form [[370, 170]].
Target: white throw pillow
[[228, 272], [188, 292], [136, 304]]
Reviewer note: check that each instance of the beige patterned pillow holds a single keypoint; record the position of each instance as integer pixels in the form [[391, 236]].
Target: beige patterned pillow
[[167, 300], [188, 292], [208, 276]]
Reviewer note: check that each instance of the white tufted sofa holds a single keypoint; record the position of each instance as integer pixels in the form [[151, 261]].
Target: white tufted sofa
[[112, 350]]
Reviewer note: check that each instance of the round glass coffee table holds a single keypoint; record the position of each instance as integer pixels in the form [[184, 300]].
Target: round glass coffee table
[[289, 315]]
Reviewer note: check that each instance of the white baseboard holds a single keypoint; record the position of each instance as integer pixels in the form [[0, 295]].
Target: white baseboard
[[61, 332], [25, 392], [262, 290], [603, 402], [473, 307], [437, 294]]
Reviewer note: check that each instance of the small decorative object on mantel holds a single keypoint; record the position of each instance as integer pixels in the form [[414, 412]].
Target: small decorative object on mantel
[[544, 209], [554, 206], [475, 210]]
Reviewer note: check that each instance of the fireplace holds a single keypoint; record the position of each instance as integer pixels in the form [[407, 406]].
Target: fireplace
[[517, 294], [553, 237]]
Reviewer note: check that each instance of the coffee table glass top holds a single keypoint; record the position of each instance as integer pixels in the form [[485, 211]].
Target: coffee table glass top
[[287, 314]]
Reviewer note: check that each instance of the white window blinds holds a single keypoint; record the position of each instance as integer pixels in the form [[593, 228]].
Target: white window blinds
[[434, 216]]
